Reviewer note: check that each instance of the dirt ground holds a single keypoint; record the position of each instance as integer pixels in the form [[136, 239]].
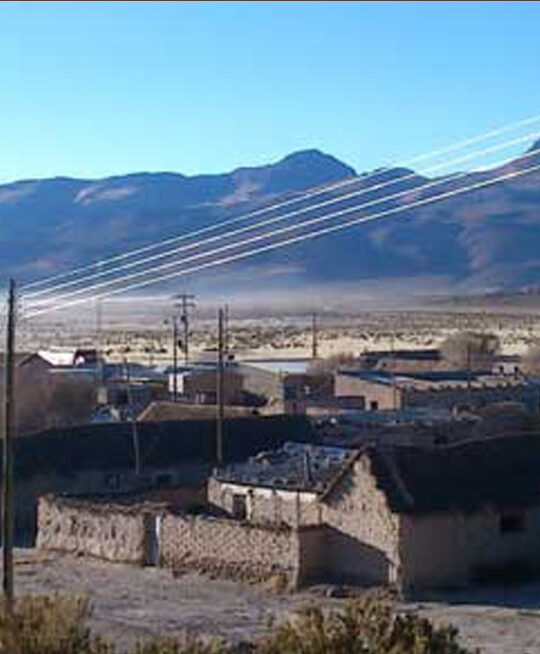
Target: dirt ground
[[131, 603]]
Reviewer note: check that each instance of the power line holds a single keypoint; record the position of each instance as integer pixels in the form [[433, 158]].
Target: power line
[[7, 458], [314, 234], [260, 237], [197, 244], [313, 193]]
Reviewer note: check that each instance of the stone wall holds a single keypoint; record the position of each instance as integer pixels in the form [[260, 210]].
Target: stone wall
[[110, 482], [362, 536], [107, 531], [266, 505], [230, 548], [151, 534]]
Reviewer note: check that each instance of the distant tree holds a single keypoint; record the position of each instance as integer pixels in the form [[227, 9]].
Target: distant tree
[[41, 404], [530, 363], [471, 350], [330, 364]]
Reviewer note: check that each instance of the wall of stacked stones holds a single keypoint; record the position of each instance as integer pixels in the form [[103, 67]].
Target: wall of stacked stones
[[221, 547], [106, 531], [229, 548]]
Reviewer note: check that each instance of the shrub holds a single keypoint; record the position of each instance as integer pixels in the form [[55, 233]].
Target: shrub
[[187, 645], [363, 627], [48, 625], [52, 625]]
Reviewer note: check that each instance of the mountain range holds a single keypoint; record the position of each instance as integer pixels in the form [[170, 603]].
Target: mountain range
[[483, 240]]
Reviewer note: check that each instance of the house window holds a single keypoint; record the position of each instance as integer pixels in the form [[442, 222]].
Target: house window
[[239, 508], [512, 523], [374, 405]]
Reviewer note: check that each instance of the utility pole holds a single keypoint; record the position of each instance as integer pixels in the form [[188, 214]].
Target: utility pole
[[219, 392], [99, 335], [7, 462], [187, 303], [469, 372], [133, 419], [175, 359], [226, 328], [314, 337]]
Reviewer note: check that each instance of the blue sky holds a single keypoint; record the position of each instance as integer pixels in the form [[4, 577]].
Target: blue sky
[[99, 88]]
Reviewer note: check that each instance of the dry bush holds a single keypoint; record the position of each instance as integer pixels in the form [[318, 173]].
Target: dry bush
[[188, 645], [471, 350], [362, 627], [48, 625], [45, 625]]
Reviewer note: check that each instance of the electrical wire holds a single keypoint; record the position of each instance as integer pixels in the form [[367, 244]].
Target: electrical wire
[[296, 239], [307, 195], [280, 218]]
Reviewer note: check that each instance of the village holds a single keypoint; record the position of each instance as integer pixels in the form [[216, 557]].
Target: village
[[407, 469]]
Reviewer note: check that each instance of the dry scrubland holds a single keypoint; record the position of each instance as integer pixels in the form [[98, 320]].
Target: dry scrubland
[[149, 341]]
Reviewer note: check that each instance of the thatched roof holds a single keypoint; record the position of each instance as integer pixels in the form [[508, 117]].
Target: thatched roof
[[465, 477]]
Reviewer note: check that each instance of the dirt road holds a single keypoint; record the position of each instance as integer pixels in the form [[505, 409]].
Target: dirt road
[[131, 603]]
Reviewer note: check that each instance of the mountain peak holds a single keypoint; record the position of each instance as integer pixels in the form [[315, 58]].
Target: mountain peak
[[315, 157]]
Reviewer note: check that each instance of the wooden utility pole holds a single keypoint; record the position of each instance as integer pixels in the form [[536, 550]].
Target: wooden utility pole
[[219, 391], [314, 337], [226, 329], [133, 419], [7, 462], [175, 359], [187, 303]]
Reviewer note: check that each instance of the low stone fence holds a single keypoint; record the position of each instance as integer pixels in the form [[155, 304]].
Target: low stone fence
[[108, 531], [229, 548], [152, 534]]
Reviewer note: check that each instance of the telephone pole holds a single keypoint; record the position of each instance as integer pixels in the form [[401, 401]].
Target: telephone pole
[[314, 337], [175, 359], [187, 302], [7, 462], [219, 392], [133, 419], [226, 329]]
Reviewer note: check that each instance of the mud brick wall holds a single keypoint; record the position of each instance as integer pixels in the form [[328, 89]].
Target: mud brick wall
[[106, 531], [232, 549], [265, 505]]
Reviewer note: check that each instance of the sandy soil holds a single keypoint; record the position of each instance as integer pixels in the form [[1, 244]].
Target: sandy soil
[[150, 341], [132, 603]]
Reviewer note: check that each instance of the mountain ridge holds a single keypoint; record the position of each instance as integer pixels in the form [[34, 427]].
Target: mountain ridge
[[486, 242]]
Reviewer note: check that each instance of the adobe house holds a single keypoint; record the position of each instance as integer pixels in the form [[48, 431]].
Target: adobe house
[[403, 361], [449, 389], [411, 517], [99, 458], [278, 487]]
